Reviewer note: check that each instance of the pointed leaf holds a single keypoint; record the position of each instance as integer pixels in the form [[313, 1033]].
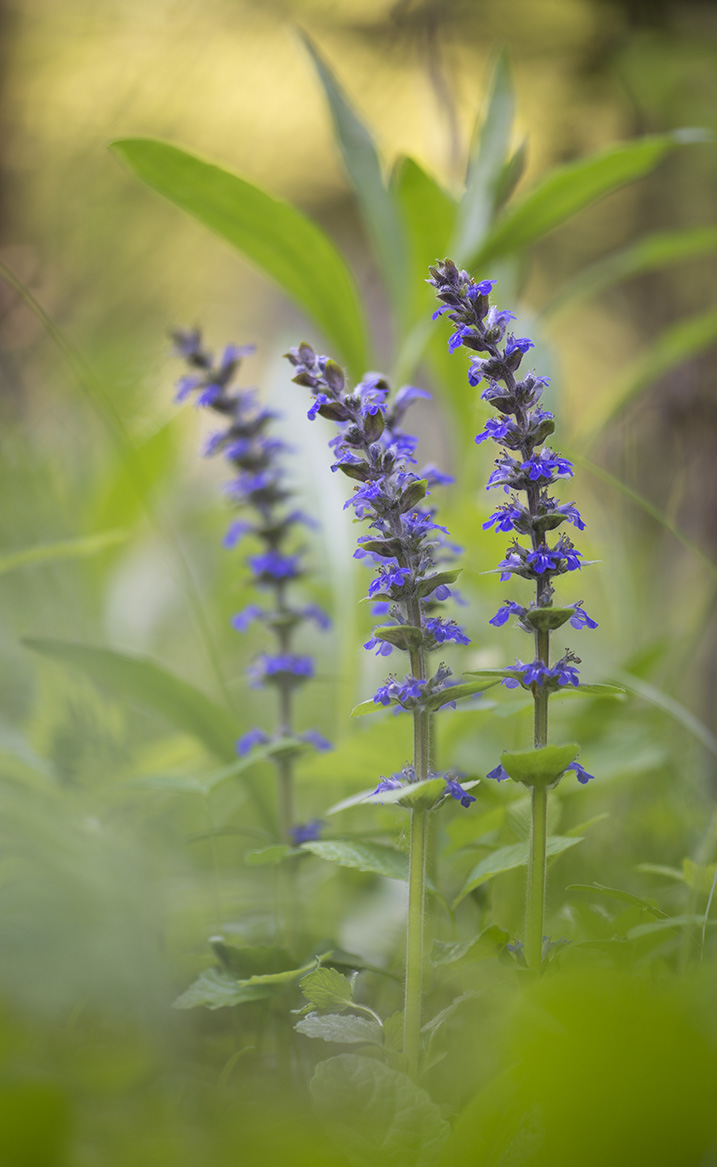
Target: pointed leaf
[[625, 896], [486, 164], [143, 682], [566, 189], [428, 213], [458, 692], [270, 856], [508, 858], [360, 156], [274, 235], [671, 348], [246, 962]]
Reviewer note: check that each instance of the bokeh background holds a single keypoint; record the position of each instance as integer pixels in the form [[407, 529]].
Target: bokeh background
[[112, 882]]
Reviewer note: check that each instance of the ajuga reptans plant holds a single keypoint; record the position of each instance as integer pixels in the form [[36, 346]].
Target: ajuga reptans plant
[[526, 469], [260, 493], [406, 545]]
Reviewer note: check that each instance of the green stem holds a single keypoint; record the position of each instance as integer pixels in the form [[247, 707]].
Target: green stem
[[414, 946], [537, 860], [415, 937], [536, 878]]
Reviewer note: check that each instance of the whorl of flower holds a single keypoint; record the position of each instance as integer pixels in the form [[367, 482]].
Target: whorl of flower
[[526, 469], [405, 543], [258, 488], [407, 776]]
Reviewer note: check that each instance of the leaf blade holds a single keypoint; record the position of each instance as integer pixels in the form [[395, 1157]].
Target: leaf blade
[[273, 234]]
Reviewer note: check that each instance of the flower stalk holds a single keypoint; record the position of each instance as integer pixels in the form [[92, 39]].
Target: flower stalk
[[259, 492], [404, 546], [526, 467]]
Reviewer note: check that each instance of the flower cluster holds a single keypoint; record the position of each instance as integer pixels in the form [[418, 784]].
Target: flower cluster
[[525, 470], [406, 543], [259, 490], [405, 546]]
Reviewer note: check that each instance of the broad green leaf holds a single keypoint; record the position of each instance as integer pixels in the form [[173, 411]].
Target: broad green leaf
[[341, 1028], [651, 253], [370, 857], [377, 1115], [508, 858], [326, 988], [567, 189], [369, 707], [246, 962], [673, 873], [376, 203], [625, 896], [145, 683], [274, 235], [270, 856], [540, 767], [353, 800], [486, 165], [63, 549], [428, 213], [674, 345], [218, 990]]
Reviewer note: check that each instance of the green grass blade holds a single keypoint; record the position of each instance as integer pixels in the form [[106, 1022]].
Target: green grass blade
[[79, 548], [652, 253], [274, 235], [683, 340]]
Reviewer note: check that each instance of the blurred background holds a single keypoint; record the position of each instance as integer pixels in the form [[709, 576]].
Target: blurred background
[[113, 877]]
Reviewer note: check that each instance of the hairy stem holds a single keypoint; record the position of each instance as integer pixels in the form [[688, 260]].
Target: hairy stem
[[415, 941], [537, 860]]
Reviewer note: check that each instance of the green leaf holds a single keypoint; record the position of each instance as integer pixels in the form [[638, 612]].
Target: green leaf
[[145, 683], [586, 690], [274, 235], [284, 976], [651, 253], [699, 876], [377, 206], [370, 857], [371, 706], [567, 189], [430, 584], [669, 705], [246, 962], [377, 1115], [669, 922], [341, 1028], [428, 213], [486, 164], [539, 767], [625, 896], [458, 692], [508, 858], [671, 348], [270, 856], [327, 989], [404, 636], [64, 549], [218, 990], [420, 794]]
